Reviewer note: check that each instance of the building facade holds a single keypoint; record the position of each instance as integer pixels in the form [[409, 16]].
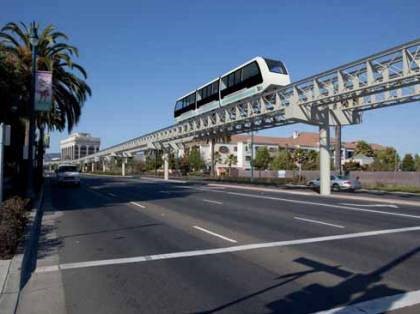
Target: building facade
[[240, 146], [79, 145]]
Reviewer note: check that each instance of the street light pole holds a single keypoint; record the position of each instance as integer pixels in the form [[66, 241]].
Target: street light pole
[[33, 38]]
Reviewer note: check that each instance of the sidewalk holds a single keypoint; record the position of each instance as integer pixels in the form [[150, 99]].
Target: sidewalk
[[44, 292]]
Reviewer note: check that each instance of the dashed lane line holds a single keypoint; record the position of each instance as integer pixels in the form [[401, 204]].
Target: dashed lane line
[[237, 248], [374, 211], [215, 234], [213, 202], [319, 222], [137, 204], [370, 205]]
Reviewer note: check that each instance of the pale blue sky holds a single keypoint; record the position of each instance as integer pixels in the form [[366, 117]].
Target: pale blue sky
[[142, 55]]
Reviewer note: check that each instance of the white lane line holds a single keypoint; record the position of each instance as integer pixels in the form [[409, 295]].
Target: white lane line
[[237, 248], [215, 234], [318, 222], [112, 194], [165, 192], [137, 204], [370, 205], [214, 202], [323, 204], [379, 305]]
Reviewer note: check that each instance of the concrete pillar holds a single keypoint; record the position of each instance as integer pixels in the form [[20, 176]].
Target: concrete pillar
[[123, 167], [166, 166], [325, 158], [78, 151], [93, 167], [103, 166], [338, 148], [213, 166]]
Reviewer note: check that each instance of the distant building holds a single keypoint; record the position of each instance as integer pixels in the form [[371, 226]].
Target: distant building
[[79, 145], [52, 157], [240, 146]]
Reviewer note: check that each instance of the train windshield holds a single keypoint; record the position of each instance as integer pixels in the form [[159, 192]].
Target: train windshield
[[275, 66]]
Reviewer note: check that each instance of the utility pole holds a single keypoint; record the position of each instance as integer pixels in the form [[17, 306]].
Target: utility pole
[[33, 38]]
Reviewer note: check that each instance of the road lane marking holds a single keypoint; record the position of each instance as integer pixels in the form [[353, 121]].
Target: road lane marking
[[230, 249], [325, 205], [137, 204], [379, 305], [214, 202], [165, 192], [319, 222], [370, 205], [215, 234], [112, 194]]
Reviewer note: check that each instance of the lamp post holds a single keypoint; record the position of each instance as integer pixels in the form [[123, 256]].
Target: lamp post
[[33, 39]]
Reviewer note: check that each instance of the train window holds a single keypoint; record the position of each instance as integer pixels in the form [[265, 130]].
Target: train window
[[250, 70], [231, 79], [215, 87], [237, 76], [275, 66]]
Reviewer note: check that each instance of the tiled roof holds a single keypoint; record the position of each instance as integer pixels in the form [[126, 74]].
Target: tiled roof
[[303, 139]]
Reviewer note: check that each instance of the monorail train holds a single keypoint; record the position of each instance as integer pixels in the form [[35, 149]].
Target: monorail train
[[253, 77]]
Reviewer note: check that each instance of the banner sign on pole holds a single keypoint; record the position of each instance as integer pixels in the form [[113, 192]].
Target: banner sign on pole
[[43, 91]]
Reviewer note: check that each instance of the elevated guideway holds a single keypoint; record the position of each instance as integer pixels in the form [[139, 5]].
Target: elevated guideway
[[335, 97]]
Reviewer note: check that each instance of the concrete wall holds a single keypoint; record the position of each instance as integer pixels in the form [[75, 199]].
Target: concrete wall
[[365, 177], [388, 177]]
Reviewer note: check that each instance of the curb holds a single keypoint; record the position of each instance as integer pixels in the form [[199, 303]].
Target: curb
[[23, 263]]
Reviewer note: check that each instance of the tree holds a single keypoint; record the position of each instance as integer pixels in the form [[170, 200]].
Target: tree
[[262, 158], [230, 161], [417, 162], [195, 160], [364, 148], [310, 160], [385, 160], [153, 160], [282, 161], [408, 163], [70, 90]]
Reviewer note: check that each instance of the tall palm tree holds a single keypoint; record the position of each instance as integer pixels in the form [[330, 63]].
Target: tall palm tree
[[54, 54]]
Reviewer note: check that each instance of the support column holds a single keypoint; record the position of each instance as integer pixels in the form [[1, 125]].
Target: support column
[[325, 158], [213, 165], [93, 167], [123, 167], [165, 166], [103, 166], [338, 148], [78, 151]]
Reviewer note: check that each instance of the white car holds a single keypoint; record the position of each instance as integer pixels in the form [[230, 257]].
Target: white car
[[338, 183], [67, 174]]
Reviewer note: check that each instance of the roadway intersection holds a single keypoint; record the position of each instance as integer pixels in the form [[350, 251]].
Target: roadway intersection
[[126, 245]]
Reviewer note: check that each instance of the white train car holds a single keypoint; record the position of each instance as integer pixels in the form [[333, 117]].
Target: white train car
[[252, 77]]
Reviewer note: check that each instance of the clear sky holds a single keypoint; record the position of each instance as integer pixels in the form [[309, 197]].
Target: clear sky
[[142, 55]]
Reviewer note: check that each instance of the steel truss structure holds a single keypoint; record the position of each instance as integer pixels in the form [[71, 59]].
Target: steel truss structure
[[336, 96]]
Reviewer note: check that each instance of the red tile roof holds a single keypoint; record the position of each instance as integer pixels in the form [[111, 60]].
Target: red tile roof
[[302, 140]]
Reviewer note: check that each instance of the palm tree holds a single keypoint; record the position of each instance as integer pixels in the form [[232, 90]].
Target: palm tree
[[54, 54], [231, 160]]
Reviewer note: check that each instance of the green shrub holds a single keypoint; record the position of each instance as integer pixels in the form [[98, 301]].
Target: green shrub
[[13, 217]]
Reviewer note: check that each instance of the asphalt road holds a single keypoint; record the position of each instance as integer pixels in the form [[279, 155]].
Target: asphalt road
[[142, 246]]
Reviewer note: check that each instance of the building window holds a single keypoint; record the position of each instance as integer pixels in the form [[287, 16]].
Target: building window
[[235, 149], [223, 150]]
